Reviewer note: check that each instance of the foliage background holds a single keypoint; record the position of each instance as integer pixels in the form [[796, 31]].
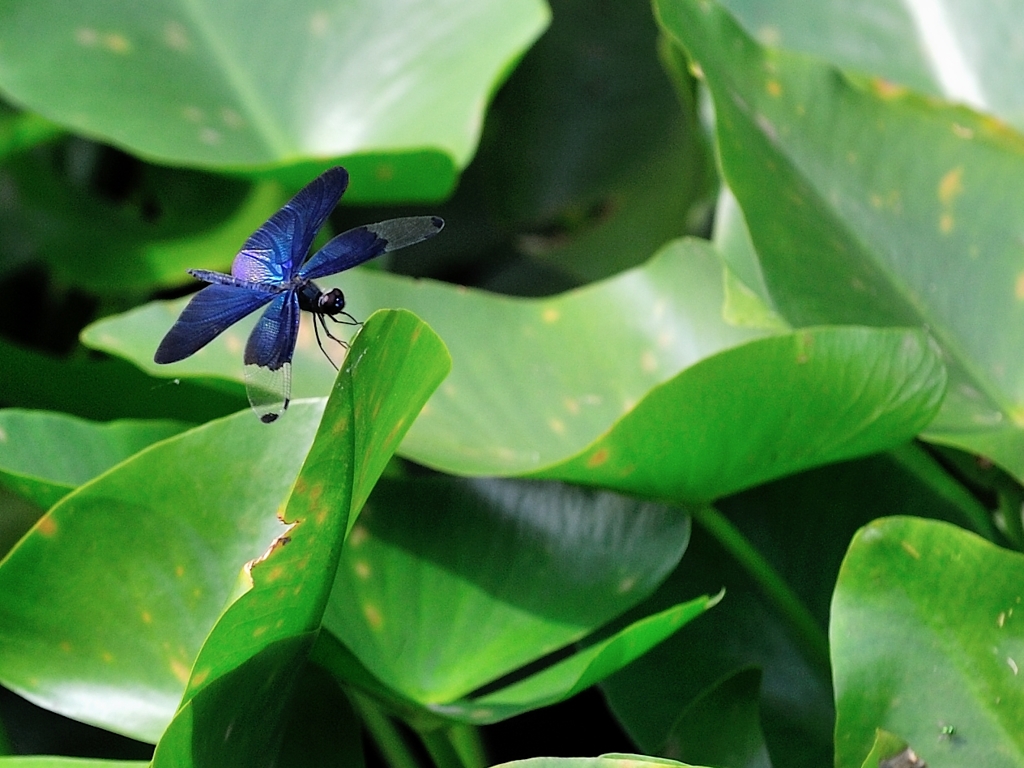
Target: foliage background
[[729, 298]]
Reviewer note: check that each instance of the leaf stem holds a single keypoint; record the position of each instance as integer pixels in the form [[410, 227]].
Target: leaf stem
[[810, 633], [454, 746], [384, 733], [919, 463]]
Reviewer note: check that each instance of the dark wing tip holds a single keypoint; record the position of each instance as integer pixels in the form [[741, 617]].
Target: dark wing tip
[[438, 222]]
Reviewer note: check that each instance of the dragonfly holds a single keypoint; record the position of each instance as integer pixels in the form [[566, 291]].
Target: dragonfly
[[273, 269]]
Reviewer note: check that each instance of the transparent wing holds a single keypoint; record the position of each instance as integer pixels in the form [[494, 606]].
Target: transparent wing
[[268, 357], [209, 313], [364, 243], [275, 250]]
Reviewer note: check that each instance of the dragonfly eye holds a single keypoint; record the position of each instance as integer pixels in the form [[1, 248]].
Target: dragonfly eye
[[332, 302]]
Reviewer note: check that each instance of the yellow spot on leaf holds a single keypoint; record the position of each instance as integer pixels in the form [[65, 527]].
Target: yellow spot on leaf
[[557, 426], [946, 223], [259, 631], [175, 36], [962, 131], [571, 405], [951, 185], [362, 569], [550, 315], [648, 362], [373, 616], [1018, 287], [1017, 415], [107, 656], [384, 172], [179, 571], [46, 526], [598, 457], [116, 43], [773, 88], [147, 618], [197, 679], [179, 670], [86, 36], [886, 89], [319, 23], [1001, 619], [909, 549], [65, 646], [358, 536]]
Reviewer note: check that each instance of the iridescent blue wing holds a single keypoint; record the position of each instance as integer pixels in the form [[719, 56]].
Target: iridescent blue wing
[[208, 314], [275, 250], [268, 357], [364, 243]]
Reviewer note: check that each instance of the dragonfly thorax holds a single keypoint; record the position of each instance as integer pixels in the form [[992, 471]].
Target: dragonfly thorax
[[312, 299]]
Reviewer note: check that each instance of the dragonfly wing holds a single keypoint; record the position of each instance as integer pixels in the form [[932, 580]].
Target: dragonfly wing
[[364, 243], [268, 357], [209, 313], [274, 251]]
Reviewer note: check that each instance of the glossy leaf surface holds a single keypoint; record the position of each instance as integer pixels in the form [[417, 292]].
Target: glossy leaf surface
[[927, 642], [233, 85], [945, 49], [542, 563], [246, 672], [43, 456], [568, 387], [868, 204]]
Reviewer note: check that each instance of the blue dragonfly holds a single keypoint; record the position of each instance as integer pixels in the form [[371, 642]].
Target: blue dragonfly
[[272, 268]]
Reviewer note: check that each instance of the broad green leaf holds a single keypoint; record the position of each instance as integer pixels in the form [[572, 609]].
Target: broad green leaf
[[155, 548], [604, 761], [244, 678], [873, 206], [583, 669], [567, 387], [447, 586], [723, 726], [171, 220], [958, 50], [44, 456], [836, 393], [927, 642], [398, 89], [801, 525]]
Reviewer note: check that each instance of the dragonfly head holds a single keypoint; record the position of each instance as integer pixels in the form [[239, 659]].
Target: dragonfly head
[[331, 303]]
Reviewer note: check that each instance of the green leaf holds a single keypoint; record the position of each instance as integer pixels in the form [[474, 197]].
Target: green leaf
[[533, 568], [801, 525], [604, 761], [155, 548], [872, 206], [44, 456], [944, 49], [583, 669], [926, 643], [398, 90], [535, 391], [53, 761], [836, 393], [722, 726], [244, 678]]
